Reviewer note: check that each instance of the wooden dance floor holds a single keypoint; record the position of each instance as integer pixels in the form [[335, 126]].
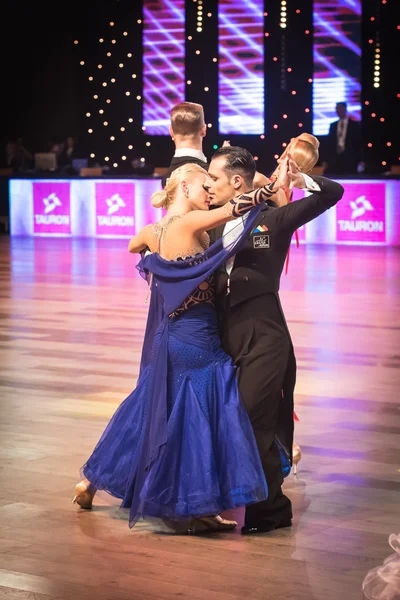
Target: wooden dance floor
[[71, 326]]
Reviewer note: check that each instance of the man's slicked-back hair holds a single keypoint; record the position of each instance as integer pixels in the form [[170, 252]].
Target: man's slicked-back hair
[[187, 119], [238, 161]]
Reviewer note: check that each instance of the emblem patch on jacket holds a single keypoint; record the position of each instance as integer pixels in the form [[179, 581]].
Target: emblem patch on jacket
[[260, 229], [260, 241]]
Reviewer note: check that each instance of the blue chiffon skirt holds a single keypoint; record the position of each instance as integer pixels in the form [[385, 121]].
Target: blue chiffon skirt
[[209, 461]]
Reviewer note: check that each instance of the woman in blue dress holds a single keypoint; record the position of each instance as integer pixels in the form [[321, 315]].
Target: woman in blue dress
[[180, 447]]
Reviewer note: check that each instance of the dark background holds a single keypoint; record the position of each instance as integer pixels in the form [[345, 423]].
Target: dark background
[[46, 93]]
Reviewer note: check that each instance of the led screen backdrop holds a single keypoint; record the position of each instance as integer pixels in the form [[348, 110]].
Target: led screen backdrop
[[337, 60], [241, 66], [163, 62]]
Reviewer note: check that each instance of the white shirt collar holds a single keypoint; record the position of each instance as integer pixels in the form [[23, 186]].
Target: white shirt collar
[[190, 152]]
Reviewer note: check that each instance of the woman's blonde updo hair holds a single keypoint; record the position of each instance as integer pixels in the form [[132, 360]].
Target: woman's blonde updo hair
[[165, 197], [304, 152]]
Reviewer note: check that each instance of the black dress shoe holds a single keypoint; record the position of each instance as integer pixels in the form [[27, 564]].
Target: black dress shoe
[[264, 527]]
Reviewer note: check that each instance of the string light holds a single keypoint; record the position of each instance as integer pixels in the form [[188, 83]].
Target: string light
[[283, 15], [200, 18], [92, 155], [377, 67], [115, 165], [90, 130]]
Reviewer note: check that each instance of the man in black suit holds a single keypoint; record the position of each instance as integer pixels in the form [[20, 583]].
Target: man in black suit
[[187, 130], [344, 144], [253, 327]]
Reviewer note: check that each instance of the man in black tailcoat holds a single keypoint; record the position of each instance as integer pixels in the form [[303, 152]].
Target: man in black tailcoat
[[253, 327]]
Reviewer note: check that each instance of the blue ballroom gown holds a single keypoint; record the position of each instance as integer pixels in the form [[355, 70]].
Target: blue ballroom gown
[[181, 444]]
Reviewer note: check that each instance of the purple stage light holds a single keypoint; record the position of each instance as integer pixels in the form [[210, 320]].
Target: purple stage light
[[241, 67], [337, 61], [163, 62]]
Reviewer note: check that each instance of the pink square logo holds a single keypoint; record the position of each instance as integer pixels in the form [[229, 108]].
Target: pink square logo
[[361, 214], [51, 207], [301, 231], [115, 209]]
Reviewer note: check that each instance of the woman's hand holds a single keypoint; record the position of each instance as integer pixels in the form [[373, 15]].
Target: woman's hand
[[282, 173], [295, 176]]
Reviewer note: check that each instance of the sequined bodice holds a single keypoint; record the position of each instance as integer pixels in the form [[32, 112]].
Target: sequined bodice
[[205, 292]]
